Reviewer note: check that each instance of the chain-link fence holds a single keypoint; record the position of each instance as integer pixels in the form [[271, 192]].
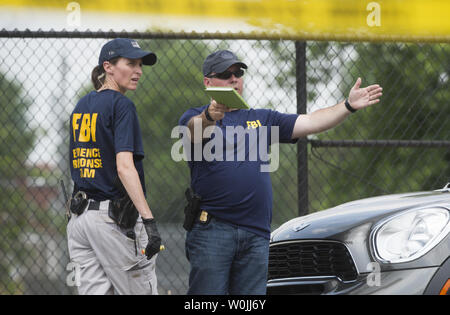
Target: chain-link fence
[[401, 144]]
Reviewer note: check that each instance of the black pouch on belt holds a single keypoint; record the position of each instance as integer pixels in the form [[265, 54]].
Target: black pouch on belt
[[122, 211]]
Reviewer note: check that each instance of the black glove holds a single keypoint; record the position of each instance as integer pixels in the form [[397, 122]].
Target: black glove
[[154, 239]]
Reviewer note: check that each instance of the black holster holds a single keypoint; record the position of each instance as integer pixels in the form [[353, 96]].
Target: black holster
[[122, 211], [78, 203], [192, 209]]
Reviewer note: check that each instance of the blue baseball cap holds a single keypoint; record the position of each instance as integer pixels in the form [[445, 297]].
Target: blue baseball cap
[[125, 47], [220, 61]]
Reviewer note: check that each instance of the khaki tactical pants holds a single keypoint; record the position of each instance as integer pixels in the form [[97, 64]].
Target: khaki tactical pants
[[109, 262]]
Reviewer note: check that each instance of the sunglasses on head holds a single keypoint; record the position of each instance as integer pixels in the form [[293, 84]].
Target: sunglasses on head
[[227, 74]]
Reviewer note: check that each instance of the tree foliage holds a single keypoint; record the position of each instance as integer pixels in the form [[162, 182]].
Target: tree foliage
[[167, 89], [16, 140], [414, 106]]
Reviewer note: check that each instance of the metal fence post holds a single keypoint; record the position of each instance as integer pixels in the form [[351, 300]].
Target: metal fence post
[[302, 145]]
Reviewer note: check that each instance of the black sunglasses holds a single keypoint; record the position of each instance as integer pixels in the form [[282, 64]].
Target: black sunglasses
[[227, 74]]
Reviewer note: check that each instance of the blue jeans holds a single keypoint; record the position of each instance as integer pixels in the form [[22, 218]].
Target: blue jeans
[[226, 260]]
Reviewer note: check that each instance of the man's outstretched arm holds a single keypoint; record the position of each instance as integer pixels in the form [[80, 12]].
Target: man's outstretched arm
[[327, 118]]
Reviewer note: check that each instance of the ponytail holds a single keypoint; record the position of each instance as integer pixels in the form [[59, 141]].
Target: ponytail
[[98, 74], [98, 77]]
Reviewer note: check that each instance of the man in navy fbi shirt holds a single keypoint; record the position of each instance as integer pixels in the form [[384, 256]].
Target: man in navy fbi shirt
[[228, 246]]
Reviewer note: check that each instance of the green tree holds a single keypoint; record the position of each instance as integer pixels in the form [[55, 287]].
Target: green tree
[[414, 106], [16, 140], [166, 90]]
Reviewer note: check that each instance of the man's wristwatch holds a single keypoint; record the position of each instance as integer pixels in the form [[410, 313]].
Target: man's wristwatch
[[208, 116], [347, 105]]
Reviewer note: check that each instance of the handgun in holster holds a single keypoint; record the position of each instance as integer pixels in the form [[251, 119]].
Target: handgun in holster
[[122, 210], [192, 209]]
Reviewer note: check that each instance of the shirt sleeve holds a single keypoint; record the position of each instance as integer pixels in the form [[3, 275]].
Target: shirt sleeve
[[127, 132], [189, 114], [286, 123]]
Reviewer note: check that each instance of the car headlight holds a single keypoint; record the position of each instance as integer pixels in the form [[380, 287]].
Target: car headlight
[[410, 234]]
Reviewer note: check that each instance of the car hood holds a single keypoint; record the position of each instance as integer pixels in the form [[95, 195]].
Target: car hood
[[331, 223]]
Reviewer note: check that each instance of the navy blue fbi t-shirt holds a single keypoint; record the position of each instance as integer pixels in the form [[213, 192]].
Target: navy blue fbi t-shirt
[[103, 124], [236, 190]]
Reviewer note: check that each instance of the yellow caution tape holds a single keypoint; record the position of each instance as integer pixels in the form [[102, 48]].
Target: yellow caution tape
[[425, 20]]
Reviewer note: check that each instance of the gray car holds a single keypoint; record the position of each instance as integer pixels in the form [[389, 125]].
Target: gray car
[[394, 244]]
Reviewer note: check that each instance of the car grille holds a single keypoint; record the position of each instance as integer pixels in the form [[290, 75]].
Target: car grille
[[311, 259]]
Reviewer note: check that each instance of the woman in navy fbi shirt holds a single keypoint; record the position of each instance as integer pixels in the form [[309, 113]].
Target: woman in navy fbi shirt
[[106, 145]]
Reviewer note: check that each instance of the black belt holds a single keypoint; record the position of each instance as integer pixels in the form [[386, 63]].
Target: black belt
[[95, 205], [79, 203]]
